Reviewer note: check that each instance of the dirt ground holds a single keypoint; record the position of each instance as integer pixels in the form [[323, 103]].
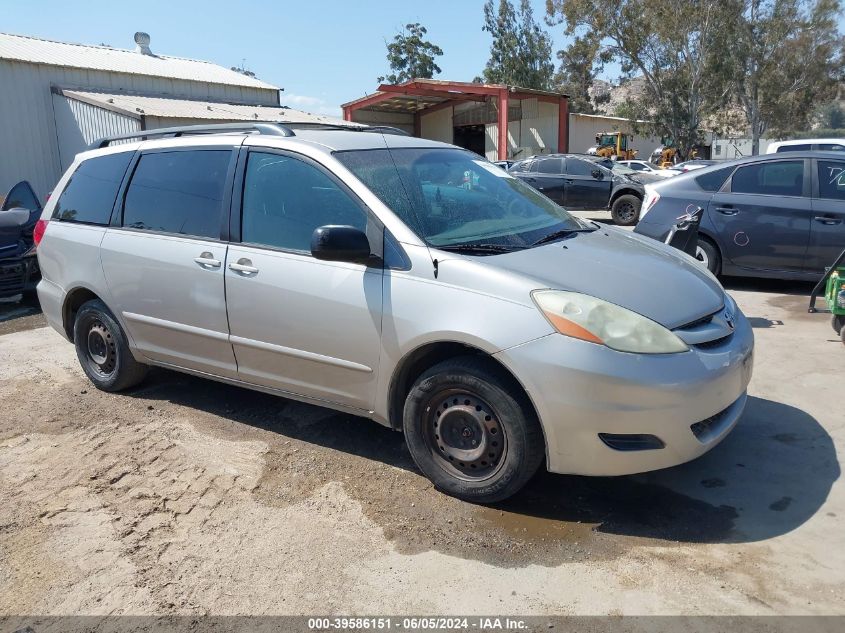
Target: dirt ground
[[189, 497]]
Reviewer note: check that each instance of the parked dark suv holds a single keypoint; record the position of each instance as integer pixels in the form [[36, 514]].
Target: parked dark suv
[[578, 183], [776, 215]]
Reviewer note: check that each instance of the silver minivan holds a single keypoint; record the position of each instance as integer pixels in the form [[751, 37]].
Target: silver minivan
[[398, 279]]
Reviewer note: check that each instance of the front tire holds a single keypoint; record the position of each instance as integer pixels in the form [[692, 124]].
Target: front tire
[[837, 322], [708, 254], [625, 210], [102, 349], [472, 431]]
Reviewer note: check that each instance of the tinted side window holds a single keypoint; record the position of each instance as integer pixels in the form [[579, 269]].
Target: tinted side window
[[831, 180], [781, 178], [548, 166], [576, 167], [178, 192], [806, 147], [831, 147], [635, 166], [713, 181], [523, 165], [285, 199], [89, 196]]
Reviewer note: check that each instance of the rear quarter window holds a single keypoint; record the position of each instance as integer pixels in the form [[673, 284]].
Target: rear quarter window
[[713, 181], [89, 196]]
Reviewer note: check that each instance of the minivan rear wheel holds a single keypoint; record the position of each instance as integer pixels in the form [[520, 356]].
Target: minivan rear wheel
[[471, 431], [102, 349]]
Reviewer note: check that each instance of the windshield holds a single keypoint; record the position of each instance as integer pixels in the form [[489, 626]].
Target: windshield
[[452, 197]]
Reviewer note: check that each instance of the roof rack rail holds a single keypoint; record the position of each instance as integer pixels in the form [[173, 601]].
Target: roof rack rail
[[385, 129], [270, 129], [377, 129]]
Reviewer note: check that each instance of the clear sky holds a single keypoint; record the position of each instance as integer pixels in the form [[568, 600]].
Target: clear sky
[[322, 52]]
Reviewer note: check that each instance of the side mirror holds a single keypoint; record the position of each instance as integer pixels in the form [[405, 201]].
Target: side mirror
[[597, 174], [340, 244]]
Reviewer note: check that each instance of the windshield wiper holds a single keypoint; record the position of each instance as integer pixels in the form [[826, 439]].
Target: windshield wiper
[[556, 235], [479, 248]]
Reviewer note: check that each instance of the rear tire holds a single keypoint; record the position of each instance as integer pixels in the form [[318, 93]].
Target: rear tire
[[102, 349], [471, 431], [625, 210], [708, 254]]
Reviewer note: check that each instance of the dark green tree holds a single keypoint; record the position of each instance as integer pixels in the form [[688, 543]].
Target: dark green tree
[[580, 64], [831, 116], [785, 57], [411, 56], [521, 53], [674, 45]]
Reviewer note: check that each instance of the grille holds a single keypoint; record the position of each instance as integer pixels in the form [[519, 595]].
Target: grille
[[12, 276], [716, 343]]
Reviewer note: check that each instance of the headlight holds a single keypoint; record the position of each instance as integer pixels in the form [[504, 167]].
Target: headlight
[[597, 321]]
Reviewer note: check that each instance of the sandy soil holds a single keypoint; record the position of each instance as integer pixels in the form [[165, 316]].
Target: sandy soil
[[189, 497]]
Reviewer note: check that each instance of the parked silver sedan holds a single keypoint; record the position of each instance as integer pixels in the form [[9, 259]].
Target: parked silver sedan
[[398, 279]]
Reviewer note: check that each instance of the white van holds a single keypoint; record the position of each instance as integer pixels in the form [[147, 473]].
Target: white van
[[807, 144]]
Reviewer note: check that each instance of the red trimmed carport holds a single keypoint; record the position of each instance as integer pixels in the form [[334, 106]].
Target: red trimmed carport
[[422, 96]]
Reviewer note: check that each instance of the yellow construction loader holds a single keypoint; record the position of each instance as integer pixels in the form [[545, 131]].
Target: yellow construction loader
[[615, 145]]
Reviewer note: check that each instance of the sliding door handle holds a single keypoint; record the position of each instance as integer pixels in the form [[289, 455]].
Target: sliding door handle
[[243, 265], [828, 221]]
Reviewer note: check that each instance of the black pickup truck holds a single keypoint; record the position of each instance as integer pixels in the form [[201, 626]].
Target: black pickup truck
[[578, 183], [19, 212]]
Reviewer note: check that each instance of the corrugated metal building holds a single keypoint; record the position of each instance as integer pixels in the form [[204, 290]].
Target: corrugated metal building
[[56, 98]]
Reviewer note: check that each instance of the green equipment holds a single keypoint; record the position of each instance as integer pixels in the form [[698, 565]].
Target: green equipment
[[834, 295]]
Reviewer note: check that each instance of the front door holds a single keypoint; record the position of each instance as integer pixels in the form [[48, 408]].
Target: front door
[[587, 185], [164, 262], [298, 324], [827, 231], [763, 221]]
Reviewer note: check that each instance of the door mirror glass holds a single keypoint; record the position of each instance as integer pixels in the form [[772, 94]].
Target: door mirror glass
[[597, 174], [340, 244]]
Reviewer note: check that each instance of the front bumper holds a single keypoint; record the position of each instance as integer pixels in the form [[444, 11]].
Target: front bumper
[[19, 274], [689, 401]]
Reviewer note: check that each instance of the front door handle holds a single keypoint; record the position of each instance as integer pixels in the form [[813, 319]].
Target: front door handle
[[243, 265], [727, 210], [827, 220], [207, 260]]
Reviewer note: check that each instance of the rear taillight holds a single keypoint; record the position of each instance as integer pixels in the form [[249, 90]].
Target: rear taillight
[[651, 198], [38, 231]]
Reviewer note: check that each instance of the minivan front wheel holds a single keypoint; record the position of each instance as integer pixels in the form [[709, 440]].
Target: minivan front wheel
[[102, 349], [471, 432]]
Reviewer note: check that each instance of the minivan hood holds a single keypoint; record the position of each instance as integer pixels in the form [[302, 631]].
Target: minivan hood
[[629, 270]]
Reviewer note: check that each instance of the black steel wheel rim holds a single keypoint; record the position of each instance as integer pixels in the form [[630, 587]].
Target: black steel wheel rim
[[626, 211], [100, 349], [464, 435]]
